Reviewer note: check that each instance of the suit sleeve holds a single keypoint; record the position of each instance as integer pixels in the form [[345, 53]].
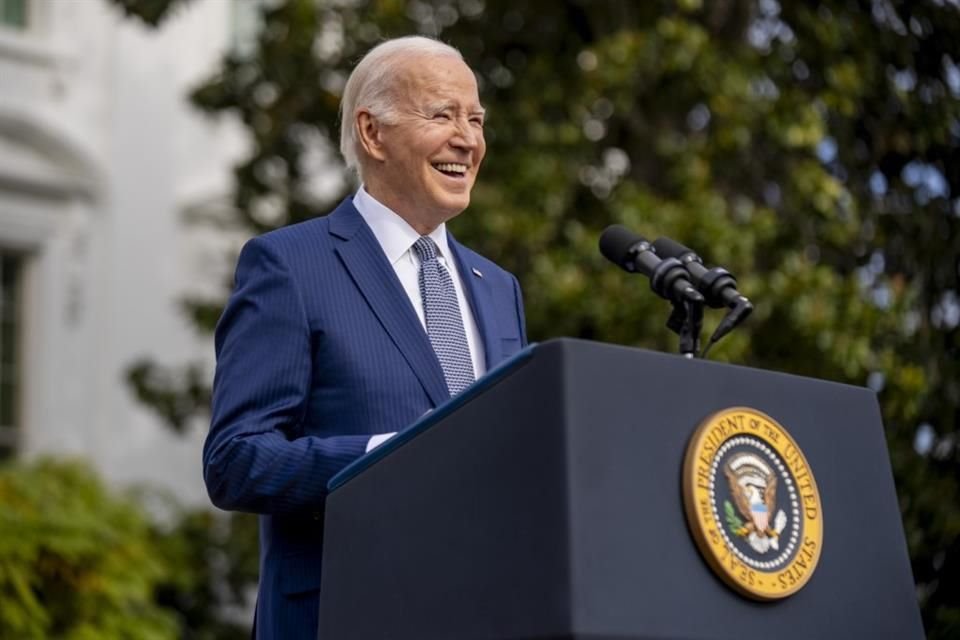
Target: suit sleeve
[[256, 457]]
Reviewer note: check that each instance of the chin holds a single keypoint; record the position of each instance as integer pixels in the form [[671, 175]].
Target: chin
[[451, 205], [454, 210]]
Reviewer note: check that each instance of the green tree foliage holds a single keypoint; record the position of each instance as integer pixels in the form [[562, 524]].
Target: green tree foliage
[[78, 562], [812, 148], [75, 562]]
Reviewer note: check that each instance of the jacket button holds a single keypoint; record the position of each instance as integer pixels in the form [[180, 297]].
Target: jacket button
[[317, 515]]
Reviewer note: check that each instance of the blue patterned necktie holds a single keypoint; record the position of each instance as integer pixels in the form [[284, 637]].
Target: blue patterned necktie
[[444, 323]]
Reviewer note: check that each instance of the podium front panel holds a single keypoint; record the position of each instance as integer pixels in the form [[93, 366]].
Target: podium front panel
[[549, 506]]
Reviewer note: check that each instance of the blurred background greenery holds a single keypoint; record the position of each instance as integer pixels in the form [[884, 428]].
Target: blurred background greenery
[[811, 148]]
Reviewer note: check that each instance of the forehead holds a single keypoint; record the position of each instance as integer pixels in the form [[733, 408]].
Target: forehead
[[430, 78]]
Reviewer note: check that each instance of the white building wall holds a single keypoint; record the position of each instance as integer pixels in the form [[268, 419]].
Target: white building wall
[[100, 154]]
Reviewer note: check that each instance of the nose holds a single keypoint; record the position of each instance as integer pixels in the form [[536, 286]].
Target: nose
[[467, 136]]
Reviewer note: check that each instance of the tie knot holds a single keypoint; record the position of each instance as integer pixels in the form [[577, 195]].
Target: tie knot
[[425, 248]]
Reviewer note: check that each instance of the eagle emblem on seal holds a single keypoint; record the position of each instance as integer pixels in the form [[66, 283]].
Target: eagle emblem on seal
[[753, 486]]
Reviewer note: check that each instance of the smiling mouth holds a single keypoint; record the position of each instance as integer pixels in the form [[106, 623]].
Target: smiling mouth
[[452, 169]]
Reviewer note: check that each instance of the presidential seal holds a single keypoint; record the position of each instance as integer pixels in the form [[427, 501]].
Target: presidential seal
[[752, 504]]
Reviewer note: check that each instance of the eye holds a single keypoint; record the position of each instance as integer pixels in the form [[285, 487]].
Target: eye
[[477, 121], [442, 115]]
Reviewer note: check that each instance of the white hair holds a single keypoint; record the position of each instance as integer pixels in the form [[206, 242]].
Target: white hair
[[372, 84]]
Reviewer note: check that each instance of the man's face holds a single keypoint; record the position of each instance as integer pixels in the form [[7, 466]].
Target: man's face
[[429, 158]]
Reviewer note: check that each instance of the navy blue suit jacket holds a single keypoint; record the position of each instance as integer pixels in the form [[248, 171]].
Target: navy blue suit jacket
[[318, 349]]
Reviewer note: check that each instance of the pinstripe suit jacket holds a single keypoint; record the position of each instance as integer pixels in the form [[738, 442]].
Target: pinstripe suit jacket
[[319, 348]]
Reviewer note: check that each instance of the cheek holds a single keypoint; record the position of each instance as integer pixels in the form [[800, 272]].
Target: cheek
[[481, 151]]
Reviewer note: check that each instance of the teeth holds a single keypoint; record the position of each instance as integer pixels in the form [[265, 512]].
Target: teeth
[[452, 167]]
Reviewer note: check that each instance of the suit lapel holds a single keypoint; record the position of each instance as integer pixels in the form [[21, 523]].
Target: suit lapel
[[364, 260], [480, 298]]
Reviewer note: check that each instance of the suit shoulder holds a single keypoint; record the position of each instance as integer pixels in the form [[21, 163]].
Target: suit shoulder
[[315, 237], [295, 236]]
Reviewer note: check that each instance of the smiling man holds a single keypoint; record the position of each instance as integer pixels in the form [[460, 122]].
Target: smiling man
[[347, 328]]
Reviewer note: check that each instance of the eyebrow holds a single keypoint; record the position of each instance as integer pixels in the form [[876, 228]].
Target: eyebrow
[[437, 107]]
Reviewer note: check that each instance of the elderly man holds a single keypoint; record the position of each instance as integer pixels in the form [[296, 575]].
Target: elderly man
[[344, 329]]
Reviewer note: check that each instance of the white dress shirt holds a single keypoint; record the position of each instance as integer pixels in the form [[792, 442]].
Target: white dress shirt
[[396, 237]]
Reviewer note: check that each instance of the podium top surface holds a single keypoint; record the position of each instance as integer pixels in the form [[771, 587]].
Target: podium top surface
[[509, 366]]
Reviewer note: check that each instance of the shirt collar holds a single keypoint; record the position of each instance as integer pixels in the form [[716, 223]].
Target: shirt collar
[[393, 233]]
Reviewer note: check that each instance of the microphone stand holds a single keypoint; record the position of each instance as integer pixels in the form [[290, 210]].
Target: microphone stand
[[686, 320]]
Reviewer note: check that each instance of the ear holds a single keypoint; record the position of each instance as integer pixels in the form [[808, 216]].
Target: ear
[[370, 135]]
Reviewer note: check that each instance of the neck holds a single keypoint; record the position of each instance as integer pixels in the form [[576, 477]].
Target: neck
[[390, 199]]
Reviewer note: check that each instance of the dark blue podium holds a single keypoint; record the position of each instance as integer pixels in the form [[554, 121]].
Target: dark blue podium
[[546, 503]]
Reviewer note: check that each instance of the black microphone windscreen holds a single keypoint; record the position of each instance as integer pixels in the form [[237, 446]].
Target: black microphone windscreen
[[615, 243], [667, 248]]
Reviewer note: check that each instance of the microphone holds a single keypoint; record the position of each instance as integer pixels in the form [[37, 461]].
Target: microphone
[[633, 253], [717, 285]]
